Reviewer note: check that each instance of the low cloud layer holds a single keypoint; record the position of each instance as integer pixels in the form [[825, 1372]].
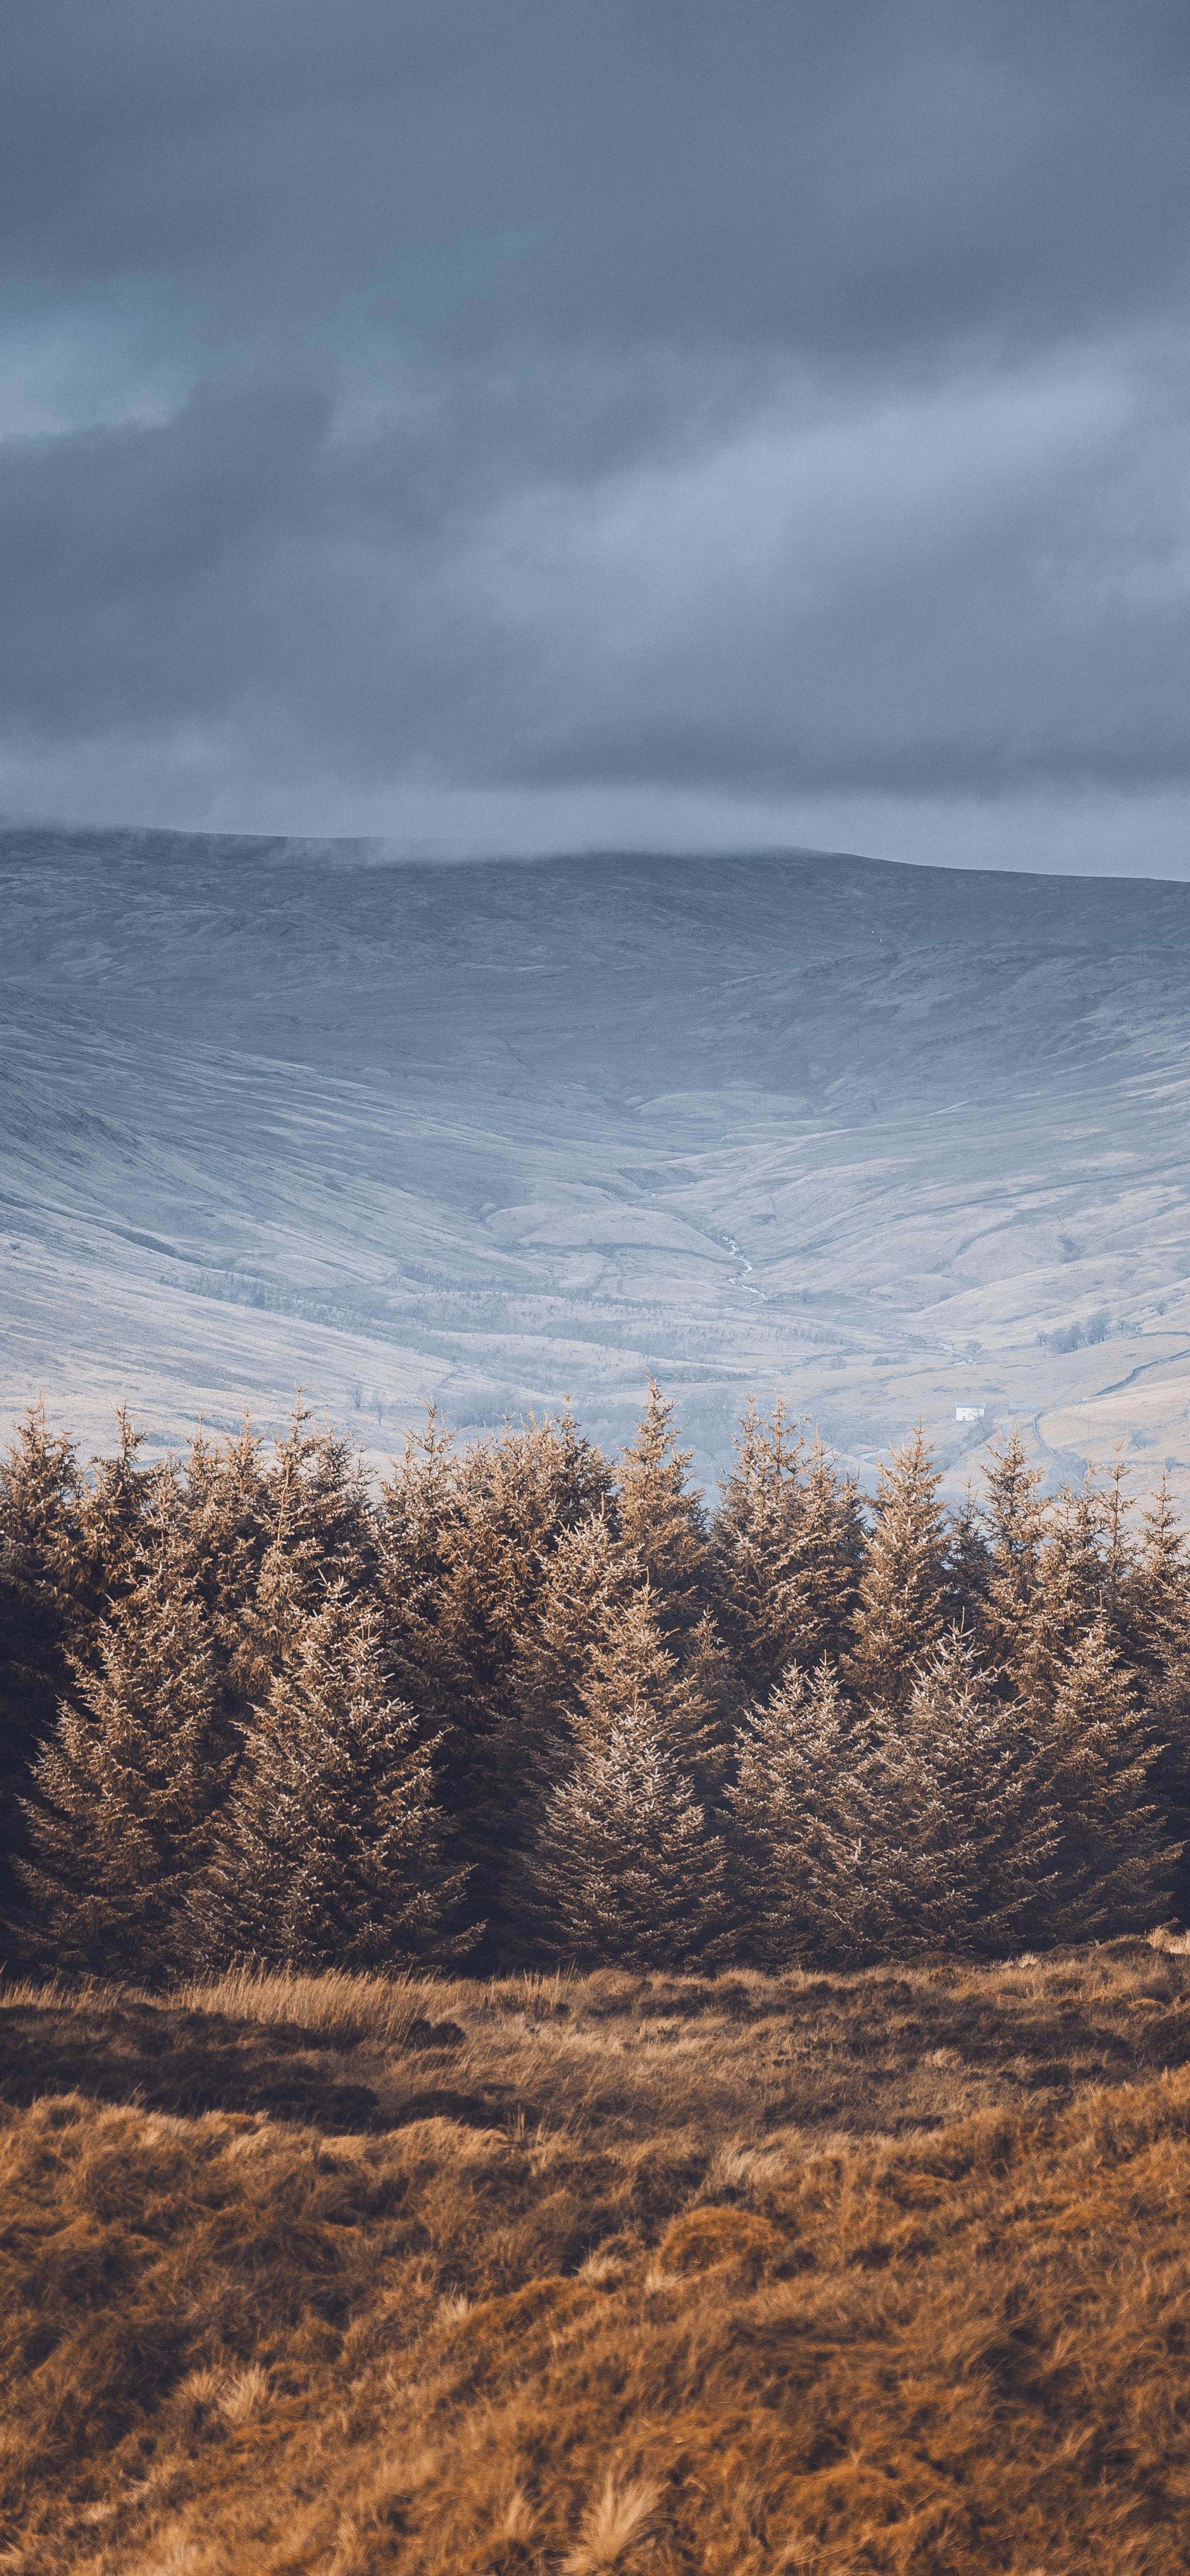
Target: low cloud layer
[[504, 426]]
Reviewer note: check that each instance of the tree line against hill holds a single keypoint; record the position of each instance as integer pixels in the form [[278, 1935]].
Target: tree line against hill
[[529, 1704]]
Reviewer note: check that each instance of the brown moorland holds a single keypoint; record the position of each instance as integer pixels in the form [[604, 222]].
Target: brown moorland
[[885, 2272]]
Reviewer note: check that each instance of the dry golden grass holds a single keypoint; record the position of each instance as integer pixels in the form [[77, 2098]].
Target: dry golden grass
[[885, 2273], [339, 2005]]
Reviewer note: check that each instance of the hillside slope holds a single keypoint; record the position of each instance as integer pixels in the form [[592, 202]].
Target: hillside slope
[[276, 1114], [711, 2278]]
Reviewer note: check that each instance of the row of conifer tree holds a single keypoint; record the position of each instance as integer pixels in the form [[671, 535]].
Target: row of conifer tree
[[524, 1703]]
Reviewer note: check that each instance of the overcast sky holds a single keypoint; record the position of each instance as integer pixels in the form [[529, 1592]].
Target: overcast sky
[[541, 423]]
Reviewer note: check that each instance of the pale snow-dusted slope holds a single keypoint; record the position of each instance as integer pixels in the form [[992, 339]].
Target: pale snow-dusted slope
[[274, 1115]]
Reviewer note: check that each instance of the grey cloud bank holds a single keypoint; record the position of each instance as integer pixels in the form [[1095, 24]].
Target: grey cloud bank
[[511, 426]]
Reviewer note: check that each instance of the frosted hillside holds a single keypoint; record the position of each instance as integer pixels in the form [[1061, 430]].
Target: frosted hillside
[[274, 1114]]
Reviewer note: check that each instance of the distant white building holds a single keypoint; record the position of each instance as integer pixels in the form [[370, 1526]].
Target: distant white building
[[969, 1412]]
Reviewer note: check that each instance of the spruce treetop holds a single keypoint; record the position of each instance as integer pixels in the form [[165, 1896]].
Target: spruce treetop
[[1156, 1607], [899, 1615], [661, 1519], [785, 1549]]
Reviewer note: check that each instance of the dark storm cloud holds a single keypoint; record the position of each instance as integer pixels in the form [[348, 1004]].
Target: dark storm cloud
[[773, 401]]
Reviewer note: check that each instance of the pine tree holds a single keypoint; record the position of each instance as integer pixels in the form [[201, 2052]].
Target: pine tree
[[623, 1864], [125, 1788], [1152, 1604], [583, 1591], [898, 1620], [864, 1838], [834, 1546], [117, 1500], [1016, 1520], [593, 1649], [967, 1569], [318, 1531], [322, 1518], [753, 1536], [663, 1533], [800, 1813], [1118, 1550], [227, 1526], [222, 1535], [785, 1549], [966, 1799], [1158, 1632], [1116, 1860], [328, 1853], [583, 1584], [1081, 1581], [709, 1697], [466, 1545], [631, 1669], [39, 1491], [467, 1548], [623, 1867], [421, 1510]]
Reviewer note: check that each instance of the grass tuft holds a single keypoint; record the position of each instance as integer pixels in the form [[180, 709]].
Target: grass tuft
[[337, 2004], [616, 2524]]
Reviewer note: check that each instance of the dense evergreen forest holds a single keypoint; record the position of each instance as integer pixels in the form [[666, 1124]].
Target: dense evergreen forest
[[526, 1704]]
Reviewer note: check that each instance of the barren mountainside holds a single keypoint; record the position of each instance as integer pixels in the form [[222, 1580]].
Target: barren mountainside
[[279, 1113]]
